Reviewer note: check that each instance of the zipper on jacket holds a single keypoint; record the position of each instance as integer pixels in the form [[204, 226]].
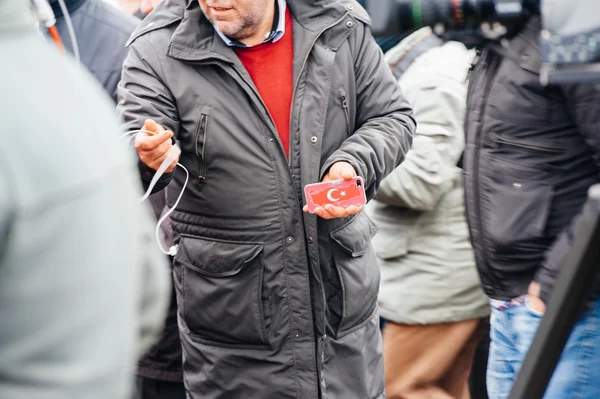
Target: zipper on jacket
[[491, 68], [202, 131], [345, 107], [527, 145]]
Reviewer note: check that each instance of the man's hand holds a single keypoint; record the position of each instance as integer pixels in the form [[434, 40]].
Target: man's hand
[[338, 171], [147, 6], [154, 148], [533, 298]]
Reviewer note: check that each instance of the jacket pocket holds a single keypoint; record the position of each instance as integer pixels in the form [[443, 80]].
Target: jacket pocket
[[223, 291], [200, 143], [529, 145], [358, 271], [518, 213]]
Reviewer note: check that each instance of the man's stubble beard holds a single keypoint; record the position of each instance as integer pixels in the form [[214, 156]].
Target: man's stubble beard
[[245, 27]]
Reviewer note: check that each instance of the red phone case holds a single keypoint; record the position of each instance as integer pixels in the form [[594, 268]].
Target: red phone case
[[343, 193]]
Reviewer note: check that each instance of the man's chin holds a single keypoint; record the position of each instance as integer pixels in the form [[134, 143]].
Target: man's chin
[[227, 28]]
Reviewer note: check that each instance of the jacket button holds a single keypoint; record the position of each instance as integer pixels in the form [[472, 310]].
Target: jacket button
[[310, 240], [314, 139], [349, 24], [271, 139], [350, 7], [290, 239]]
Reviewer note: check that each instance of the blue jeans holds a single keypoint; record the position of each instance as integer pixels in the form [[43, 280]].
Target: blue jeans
[[577, 374]]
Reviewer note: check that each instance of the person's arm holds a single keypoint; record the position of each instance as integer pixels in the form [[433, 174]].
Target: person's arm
[[383, 114], [143, 96], [584, 103], [429, 170]]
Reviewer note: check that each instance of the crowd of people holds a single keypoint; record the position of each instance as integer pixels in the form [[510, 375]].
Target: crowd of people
[[475, 175]]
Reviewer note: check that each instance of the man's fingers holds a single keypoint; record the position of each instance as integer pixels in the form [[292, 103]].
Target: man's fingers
[[348, 172], [158, 152], [145, 142], [172, 166], [322, 213], [153, 127], [336, 211], [155, 164], [353, 210], [146, 7], [305, 208], [340, 171]]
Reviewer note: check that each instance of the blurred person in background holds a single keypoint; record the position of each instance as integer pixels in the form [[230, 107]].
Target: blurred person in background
[[386, 42], [430, 297], [532, 153], [139, 8], [265, 97], [83, 288], [101, 31]]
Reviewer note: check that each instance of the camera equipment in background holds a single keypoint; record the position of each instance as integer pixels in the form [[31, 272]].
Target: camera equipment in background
[[570, 41], [570, 50]]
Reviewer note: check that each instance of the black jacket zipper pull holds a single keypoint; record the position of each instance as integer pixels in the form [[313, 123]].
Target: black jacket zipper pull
[[202, 130], [345, 107]]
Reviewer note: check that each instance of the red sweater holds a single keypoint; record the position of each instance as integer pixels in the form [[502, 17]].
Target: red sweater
[[270, 66]]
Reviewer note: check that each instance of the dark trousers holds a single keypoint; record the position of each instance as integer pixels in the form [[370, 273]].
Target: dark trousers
[[155, 389], [477, 379]]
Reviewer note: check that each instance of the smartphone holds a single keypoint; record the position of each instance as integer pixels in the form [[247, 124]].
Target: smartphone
[[343, 193]]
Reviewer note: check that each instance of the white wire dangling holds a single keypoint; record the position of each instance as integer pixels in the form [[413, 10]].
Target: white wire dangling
[[71, 31], [174, 152]]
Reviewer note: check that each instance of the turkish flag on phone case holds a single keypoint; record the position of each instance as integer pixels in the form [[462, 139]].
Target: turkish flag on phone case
[[342, 193]]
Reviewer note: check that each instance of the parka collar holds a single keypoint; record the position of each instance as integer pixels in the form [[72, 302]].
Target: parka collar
[[195, 39]]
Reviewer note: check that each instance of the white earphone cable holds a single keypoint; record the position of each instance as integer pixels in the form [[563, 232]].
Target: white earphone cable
[[174, 152]]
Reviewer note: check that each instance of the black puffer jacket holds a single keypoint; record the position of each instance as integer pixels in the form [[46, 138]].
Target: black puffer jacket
[[530, 158]]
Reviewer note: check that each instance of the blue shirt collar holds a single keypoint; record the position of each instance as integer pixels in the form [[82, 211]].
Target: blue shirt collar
[[273, 36]]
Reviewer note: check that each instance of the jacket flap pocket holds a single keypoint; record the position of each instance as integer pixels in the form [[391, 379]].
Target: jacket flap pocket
[[354, 236], [216, 258], [390, 244]]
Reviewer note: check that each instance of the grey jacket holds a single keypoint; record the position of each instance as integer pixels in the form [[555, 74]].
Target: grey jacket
[[272, 302], [83, 288], [428, 272]]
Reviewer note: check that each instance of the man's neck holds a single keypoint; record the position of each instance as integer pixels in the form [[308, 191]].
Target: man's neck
[[265, 27]]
